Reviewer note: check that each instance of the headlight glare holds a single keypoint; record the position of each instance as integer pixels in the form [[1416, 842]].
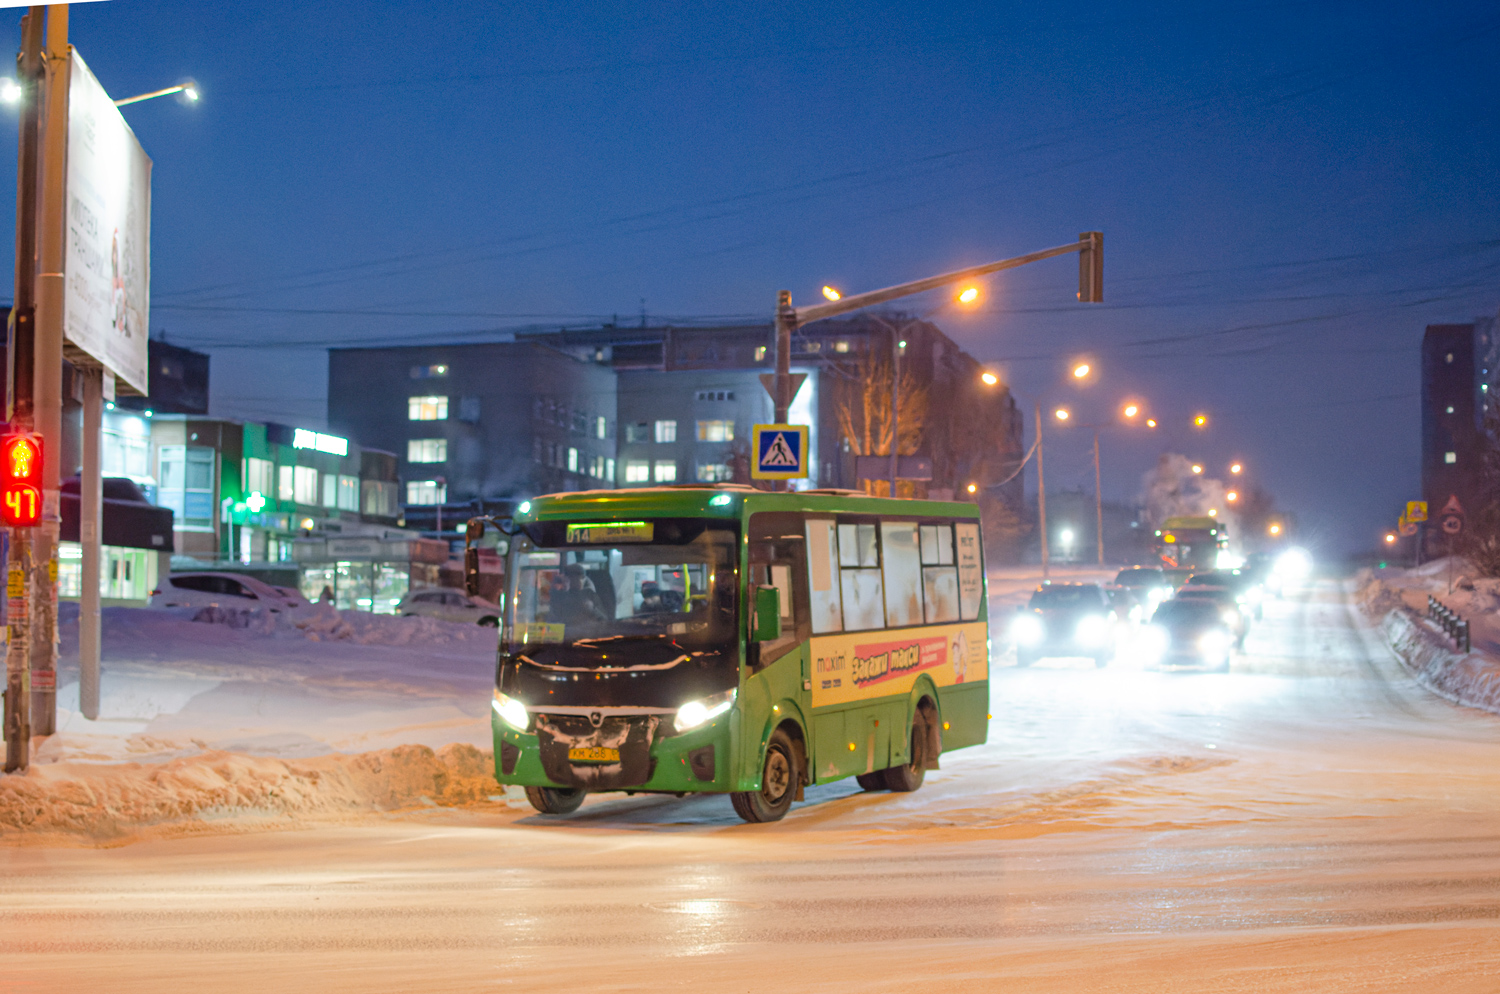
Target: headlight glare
[[1027, 630], [1093, 630], [511, 711], [695, 713]]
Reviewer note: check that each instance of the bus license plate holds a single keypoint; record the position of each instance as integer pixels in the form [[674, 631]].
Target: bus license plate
[[594, 754]]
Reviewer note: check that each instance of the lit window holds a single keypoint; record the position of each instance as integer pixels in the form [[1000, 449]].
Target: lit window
[[428, 372], [330, 490], [284, 489], [304, 485], [572, 460], [665, 471], [426, 492], [427, 450], [715, 431], [713, 472], [427, 409], [666, 431], [637, 471], [609, 469], [601, 427], [348, 493], [258, 473], [1450, 457], [841, 346]]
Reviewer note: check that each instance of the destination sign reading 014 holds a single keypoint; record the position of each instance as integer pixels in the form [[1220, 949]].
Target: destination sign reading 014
[[610, 532]]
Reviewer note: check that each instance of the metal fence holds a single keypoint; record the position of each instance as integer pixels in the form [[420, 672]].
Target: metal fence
[[1455, 627]]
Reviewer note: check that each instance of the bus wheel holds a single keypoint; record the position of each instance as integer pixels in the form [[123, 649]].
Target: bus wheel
[[871, 781], [909, 776], [555, 800], [778, 784]]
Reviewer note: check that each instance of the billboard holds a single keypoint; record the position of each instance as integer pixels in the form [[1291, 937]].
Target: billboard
[[107, 295]]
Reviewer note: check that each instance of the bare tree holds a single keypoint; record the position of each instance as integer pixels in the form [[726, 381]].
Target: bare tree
[[864, 412]]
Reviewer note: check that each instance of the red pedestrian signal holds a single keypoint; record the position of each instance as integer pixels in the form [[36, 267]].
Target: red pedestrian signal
[[21, 481]]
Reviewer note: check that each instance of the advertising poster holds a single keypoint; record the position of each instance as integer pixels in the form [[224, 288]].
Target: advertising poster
[[107, 293]]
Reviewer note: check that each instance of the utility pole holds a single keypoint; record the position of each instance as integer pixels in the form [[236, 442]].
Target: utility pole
[[895, 409], [47, 392], [29, 72], [1041, 491]]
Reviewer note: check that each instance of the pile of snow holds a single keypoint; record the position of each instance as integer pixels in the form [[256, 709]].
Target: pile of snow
[[320, 622], [110, 804]]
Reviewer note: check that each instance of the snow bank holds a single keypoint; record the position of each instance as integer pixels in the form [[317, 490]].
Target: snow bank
[[125, 802], [321, 622], [1472, 679]]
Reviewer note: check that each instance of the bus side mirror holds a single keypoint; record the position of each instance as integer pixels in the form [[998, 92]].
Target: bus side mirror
[[471, 570], [767, 626], [474, 531]]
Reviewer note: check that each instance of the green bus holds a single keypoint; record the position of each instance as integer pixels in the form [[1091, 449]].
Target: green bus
[[722, 639]]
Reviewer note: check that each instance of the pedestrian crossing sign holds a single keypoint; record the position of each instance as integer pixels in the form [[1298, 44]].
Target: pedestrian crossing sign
[[780, 452]]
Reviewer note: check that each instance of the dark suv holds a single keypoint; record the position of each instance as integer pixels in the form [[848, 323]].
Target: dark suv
[[1065, 619]]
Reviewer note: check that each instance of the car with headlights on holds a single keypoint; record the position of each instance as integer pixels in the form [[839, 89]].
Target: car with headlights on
[[1227, 604], [1066, 619], [1188, 632], [1248, 592], [1147, 584]]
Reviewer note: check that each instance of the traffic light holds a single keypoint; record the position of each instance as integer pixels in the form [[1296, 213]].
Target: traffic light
[[1091, 268], [21, 481]]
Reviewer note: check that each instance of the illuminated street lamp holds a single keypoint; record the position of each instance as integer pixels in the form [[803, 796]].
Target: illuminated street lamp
[[1150, 422], [968, 295], [1062, 414], [1081, 371], [988, 379], [1390, 538], [10, 91], [187, 88], [1275, 529], [1200, 421], [1197, 469], [1236, 469], [831, 293], [1232, 496], [1131, 410]]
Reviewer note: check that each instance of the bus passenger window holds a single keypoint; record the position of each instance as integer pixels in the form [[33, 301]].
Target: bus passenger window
[[859, 578], [822, 575], [939, 575], [902, 574]]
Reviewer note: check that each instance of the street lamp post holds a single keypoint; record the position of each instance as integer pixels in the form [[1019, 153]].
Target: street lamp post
[[1062, 414]]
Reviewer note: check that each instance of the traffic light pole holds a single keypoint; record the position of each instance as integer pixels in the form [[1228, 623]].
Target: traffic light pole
[[1090, 249], [47, 389], [29, 73]]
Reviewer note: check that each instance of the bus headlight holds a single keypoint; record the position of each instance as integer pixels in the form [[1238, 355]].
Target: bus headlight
[[1093, 630], [694, 713], [1027, 630], [511, 711]]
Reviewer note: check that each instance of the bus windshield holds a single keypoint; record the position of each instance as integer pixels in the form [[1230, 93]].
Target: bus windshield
[[585, 582]]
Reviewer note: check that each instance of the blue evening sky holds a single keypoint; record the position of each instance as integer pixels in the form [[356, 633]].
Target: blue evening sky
[[1289, 192]]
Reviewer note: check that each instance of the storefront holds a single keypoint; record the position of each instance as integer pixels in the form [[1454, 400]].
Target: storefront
[[367, 573]]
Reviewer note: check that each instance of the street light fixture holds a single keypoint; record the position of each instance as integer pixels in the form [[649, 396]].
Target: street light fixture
[[187, 88], [10, 91], [1197, 469], [1390, 538], [1150, 422], [1232, 496], [1081, 371], [1274, 529], [1236, 468], [989, 379], [831, 293], [1131, 410], [1062, 414], [968, 295], [1200, 421]]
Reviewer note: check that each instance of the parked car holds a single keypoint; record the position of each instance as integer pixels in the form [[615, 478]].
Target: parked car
[[229, 590], [1066, 619], [450, 605], [1188, 632]]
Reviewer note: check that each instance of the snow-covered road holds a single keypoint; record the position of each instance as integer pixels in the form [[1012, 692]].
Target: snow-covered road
[[1311, 821]]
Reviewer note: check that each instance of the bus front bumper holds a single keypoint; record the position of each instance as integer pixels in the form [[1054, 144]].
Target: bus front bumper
[[648, 754]]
